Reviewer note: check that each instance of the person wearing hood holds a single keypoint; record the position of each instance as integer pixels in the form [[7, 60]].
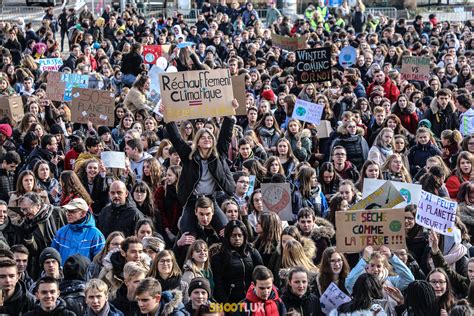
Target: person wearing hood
[[153, 302], [97, 302], [80, 235], [41, 223], [350, 137], [16, 297], [134, 151], [47, 294], [262, 296], [441, 113], [72, 288], [298, 296], [121, 214]]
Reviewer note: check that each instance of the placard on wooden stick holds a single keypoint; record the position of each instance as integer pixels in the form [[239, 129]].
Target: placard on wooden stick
[[92, 105], [358, 229]]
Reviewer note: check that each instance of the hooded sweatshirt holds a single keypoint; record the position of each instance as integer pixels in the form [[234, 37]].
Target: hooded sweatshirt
[[137, 166], [255, 306]]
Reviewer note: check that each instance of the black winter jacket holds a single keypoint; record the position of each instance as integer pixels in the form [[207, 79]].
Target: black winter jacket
[[42, 154], [122, 218], [72, 292], [60, 310], [20, 302], [308, 304], [418, 155], [356, 148], [7, 184], [121, 302], [218, 166], [233, 274]]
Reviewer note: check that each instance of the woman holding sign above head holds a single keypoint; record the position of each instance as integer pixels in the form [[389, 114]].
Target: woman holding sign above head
[[205, 171]]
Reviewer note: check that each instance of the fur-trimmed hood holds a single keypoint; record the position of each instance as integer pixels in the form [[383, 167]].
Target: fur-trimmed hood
[[342, 130], [435, 107], [322, 229], [171, 304], [408, 110]]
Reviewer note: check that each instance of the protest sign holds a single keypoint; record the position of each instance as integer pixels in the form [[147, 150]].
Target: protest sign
[[251, 186], [12, 107], [415, 68], [378, 227], [324, 129], [308, 112], [50, 64], [151, 53], [332, 298], [313, 65], [384, 197], [347, 56], [73, 81], [410, 192], [113, 159], [277, 198], [436, 213], [55, 87], [288, 43], [196, 94], [154, 93], [60, 85], [96, 106], [240, 94]]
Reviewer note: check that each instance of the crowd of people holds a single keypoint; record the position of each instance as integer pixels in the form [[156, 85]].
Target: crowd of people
[[183, 229]]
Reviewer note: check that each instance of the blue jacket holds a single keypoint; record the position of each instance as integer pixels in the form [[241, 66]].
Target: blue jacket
[[83, 238], [113, 311], [401, 280], [171, 304]]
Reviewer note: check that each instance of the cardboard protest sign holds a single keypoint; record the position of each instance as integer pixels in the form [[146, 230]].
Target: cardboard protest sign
[[308, 112], [152, 52], [288, 43], [196, 94], [347, 56], [332, 298], [378, 227], [12, 107], [324, 129], [410, 192], [277, 198], [436, 213], [415, 68], [50, 64], [96, 106], [384, 197], [313, 65], [240, 94], [55, 87], [113, 159], [60, 85]]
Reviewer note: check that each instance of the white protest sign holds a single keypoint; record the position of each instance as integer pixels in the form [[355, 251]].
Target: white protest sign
[[436, 213], [410, 192], [332, 298], [113, 159], [308, 112], [50, 64]]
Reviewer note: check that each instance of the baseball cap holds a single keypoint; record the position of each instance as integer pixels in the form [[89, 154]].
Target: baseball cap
[[77, 203]]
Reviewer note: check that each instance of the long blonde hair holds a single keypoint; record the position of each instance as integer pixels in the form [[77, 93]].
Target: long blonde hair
[[198, 135], [294, 255], [403, 171]]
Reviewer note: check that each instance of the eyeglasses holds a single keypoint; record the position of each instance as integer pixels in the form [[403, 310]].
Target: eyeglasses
[[334, 261], [339, 154], [439, 282], [411, 219], [165, 261]]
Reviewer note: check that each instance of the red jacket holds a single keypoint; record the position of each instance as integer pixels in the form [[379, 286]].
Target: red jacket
[[169, 207], [409, 121], [70, 159], [255, 306], [452, 184], [390, 89]]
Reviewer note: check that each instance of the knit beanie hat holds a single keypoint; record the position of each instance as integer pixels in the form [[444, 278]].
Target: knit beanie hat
[[6, 130], [269, 95], [49, 253], [199, 283], [425, 123], [103, 130]]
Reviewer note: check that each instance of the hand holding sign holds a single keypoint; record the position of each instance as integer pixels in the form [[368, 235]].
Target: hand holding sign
[[434, 241]]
